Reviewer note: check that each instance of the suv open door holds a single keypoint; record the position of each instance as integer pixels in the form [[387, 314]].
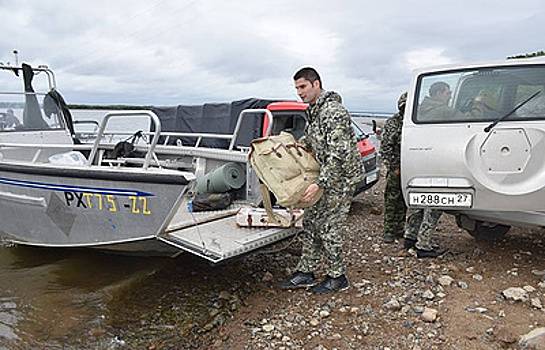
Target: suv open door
[[477, 150]]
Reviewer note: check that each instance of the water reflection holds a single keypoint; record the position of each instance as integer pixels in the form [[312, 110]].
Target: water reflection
[[51, 296], [85, 299]]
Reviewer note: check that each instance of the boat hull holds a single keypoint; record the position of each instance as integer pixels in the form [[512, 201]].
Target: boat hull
[[45, 206]]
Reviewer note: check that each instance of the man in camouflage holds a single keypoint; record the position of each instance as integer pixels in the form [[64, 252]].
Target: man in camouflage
[[390, 152], [330, 136], [419, 230], [421, 223]]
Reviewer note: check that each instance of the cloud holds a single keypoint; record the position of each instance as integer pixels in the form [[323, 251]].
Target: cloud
[[421, 58], [164, 52]]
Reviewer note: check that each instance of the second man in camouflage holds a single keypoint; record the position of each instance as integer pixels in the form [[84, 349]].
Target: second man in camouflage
[[390, 152]]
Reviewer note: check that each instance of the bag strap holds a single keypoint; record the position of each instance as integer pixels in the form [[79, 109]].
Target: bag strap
[[297, 148], [279, 219], [135, 137]]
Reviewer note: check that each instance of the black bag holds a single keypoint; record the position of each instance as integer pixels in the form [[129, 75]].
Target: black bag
[[211, 201], [122, 149], [126, 149]]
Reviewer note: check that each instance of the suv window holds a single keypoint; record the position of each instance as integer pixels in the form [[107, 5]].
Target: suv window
[[480, 95], [535, 108]]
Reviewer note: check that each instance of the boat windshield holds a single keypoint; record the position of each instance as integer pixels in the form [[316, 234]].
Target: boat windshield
[[481, 95], [17, 114], [29, 109]]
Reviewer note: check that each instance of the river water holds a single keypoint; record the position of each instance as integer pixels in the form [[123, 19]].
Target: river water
[[86, 299], [51, 298]]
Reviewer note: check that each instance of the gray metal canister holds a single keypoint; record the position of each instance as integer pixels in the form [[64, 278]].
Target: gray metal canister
[[230, 176]]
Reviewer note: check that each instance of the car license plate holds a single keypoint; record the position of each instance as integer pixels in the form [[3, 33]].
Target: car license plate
[[438, 199], [371, 178]]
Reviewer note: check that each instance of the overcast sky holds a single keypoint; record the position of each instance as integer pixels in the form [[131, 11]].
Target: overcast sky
[[164, 52]]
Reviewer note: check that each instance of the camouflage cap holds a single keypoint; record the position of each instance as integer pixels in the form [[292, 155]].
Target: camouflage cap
[[402, 101]]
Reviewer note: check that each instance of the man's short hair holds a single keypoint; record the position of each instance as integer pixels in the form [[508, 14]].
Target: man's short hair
[[438, 87], [308, 73]]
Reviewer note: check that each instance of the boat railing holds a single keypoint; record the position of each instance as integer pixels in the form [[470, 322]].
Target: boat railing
[[115, 135], [94, 123], [87, 135], [154, 136], [37, 70], [150, 152], [232, 138], [248, 112], [39, 147]]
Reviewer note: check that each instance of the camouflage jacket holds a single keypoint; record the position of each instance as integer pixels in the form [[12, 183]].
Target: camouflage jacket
[[390, 145], [330, 136]]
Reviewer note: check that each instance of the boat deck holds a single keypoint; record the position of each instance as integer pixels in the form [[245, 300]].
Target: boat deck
[[184, 218], [215, 235]]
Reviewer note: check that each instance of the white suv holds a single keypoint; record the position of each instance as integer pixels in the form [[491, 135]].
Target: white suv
[[477, 150]]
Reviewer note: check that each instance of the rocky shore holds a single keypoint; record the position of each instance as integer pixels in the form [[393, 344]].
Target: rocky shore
[[476, 296]]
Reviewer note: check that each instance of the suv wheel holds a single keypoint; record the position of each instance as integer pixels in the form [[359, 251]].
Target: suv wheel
[[482, 231]]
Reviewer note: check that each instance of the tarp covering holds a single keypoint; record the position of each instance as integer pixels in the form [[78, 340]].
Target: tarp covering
[[218, 118]]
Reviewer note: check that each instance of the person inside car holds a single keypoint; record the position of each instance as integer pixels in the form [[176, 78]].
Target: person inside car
[[9, 120], [435, 107]]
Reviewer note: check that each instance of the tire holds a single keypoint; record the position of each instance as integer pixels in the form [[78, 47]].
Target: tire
[[486, 231]]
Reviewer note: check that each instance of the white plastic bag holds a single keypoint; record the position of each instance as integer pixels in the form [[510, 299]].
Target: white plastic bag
[[74, 158]]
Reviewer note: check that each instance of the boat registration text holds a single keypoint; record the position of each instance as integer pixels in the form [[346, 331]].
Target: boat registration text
[[108, 202]]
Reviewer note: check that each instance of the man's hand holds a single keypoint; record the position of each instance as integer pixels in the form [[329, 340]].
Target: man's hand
[[310, 193], [397, 171]]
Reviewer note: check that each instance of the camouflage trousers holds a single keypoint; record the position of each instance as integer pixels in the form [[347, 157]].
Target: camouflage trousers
[[394, 206], [324, 229], [420, 226]]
